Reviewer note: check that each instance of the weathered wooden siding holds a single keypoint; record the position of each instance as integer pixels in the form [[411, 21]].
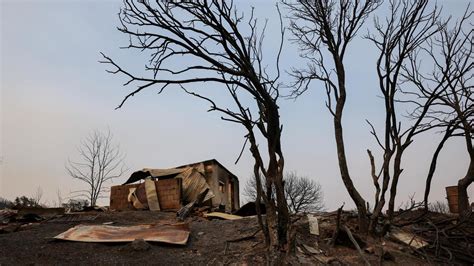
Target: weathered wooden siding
[[168, 190]]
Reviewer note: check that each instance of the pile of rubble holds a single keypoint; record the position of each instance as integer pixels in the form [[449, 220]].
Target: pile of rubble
[[15, 220], [415, 235], [448, 238]]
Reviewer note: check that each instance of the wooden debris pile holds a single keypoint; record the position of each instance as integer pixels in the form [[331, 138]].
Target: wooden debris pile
[[415, 236], [448, 238]]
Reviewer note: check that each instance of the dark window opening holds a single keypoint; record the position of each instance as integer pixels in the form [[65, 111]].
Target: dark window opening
[[221, 187]]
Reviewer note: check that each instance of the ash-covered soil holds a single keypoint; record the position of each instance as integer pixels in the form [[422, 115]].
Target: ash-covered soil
[[210, 243], [34, 244]]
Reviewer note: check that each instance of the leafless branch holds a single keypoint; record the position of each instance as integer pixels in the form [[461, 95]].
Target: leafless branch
[[100, 161]]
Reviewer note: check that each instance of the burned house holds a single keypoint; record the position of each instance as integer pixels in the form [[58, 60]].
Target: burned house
[[171, 188]]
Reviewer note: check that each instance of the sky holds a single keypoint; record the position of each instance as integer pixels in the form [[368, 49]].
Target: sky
[[54, 92]]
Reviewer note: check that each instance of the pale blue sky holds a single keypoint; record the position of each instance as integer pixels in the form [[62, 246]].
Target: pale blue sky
[[54, 92]]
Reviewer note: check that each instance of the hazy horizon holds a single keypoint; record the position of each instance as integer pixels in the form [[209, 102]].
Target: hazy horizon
[[54, 92]]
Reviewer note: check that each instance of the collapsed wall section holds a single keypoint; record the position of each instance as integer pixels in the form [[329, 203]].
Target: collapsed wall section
[[169, 195]]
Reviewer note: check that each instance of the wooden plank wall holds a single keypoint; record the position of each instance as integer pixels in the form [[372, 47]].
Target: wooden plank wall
[[169, 195]]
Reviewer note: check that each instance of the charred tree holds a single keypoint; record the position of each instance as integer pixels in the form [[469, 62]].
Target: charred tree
[[324, 29], [452, 57], [448, 132], [224, 48], [399, 37]]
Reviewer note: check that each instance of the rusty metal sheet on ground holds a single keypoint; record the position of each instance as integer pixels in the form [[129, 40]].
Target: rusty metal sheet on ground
[[166, 233]]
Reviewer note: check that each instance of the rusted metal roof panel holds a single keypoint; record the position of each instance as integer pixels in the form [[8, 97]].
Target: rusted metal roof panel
[[168, 233], [194, 181], [194, 184], [75, 217]]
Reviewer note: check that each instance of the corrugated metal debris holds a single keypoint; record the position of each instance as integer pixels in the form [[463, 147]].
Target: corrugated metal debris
[[169, 233], [194, 182], [74, 218]]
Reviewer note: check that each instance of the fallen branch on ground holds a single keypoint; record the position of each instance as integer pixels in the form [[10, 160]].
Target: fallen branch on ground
[[351, 237], [245, 237]]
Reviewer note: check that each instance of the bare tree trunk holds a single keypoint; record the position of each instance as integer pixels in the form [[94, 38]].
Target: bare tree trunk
[[92, 200], [341, 153], [284, 223], [380, 203], [277, 226], [377, 205], [356, 197], [257, 204], [235, 61], [434, 161], [271, 218], [397, 171], [275, 174], [397, 42], [463, 184], [331, 24], [375, 178]]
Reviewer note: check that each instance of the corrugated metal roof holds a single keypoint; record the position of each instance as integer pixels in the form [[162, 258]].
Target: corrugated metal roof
[[214, 161]]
